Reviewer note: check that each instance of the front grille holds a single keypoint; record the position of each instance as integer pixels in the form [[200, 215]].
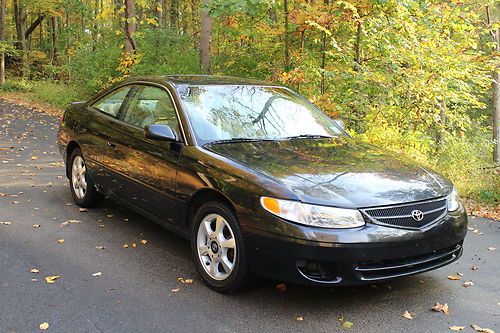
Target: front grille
[[381, 270], [401, 215]]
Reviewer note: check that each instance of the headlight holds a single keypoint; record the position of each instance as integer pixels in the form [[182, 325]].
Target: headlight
[[313, 215], [453, 200]]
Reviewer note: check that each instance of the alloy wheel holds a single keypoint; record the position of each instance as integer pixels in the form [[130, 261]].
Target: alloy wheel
[[78, 178], [216, 247]]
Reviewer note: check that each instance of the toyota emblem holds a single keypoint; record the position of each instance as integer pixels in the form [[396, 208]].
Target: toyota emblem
[[417, 215]]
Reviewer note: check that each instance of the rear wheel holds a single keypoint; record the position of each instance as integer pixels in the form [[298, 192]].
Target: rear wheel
[[218, 249], [82, 187]]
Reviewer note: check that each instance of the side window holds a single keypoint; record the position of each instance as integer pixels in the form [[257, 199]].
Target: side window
[[111, 103], [151, 105]]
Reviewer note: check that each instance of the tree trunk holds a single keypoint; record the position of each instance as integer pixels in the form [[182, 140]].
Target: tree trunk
[[174, 14], [495, 34], [3, 9], [159, 13], [33, 26], [194, 23], [287, 37], [323, 63], [53, 40], [357, 47], [68, 41], [496, 114], [20, 18], [130, 26], [206, 31]]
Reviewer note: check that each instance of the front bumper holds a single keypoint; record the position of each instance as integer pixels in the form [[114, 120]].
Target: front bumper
[[305, 255]]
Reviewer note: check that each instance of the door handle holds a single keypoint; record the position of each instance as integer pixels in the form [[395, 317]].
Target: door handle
[[112, 145]]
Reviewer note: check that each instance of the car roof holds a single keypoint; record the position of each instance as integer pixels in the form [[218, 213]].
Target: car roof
[[181, 79]]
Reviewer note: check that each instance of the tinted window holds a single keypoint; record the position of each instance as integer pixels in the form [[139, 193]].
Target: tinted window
[[218, 112], [151, 105], [111, 103]]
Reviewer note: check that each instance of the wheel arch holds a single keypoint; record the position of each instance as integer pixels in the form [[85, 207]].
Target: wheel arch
[[206, 195], [72, 145]]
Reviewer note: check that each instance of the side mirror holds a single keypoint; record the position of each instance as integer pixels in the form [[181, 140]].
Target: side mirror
[[340, 123], [159, 133]]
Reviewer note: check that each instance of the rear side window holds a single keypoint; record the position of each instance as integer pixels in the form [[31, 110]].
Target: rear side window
[[111, 103], [151, 105]]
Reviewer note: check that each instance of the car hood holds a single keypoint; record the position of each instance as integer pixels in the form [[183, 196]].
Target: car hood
[[337, 171]]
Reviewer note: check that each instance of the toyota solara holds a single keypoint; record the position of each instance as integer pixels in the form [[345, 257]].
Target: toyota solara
[[260, 181]]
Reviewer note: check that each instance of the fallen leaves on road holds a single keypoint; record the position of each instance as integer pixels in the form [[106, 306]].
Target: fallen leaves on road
[[100, 247], [474, 268], [185, 281], [60, 241], [144, 242], [175, 290], [491, 248], [34, 271], [453, 277], [467, 284], [134, 245], [490, 211], [347, 324], [457, 328], [6, 222], [407, 315], [36, 226], [52, 278], [44, 326], [480, 329], [125, 246], [299, 318], [97, 274], [68, 222], [281, 287], [438, 307]]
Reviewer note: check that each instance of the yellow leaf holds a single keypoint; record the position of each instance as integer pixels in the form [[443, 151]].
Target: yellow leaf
[[480, 329], [407, 315], [60, 241], [457, 328], [347, 324], [144, 241], [438, 307], [299, 318], [44, 326], [34, 270], [453, 277], [52, 278]]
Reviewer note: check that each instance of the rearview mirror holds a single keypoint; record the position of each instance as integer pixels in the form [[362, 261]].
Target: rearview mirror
[[159, 133], [340, 122]]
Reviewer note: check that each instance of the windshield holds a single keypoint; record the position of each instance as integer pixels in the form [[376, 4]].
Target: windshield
[[218, 112]]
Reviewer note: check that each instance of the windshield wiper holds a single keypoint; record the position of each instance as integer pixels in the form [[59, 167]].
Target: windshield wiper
[[237, 140], [308, 136]]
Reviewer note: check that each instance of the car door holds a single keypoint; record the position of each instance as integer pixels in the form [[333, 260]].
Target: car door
[[149, 167], [103, 128]]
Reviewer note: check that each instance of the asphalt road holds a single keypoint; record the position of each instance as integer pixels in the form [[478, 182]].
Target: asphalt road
[[134, 293]]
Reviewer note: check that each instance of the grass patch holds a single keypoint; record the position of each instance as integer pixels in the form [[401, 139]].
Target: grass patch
[[53, 93]]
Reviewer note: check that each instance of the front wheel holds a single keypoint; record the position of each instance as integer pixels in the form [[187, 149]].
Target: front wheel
[[82, 187], [218, 249]]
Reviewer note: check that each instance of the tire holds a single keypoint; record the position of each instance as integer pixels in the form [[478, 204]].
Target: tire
[[82, 187], [222, 266]]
